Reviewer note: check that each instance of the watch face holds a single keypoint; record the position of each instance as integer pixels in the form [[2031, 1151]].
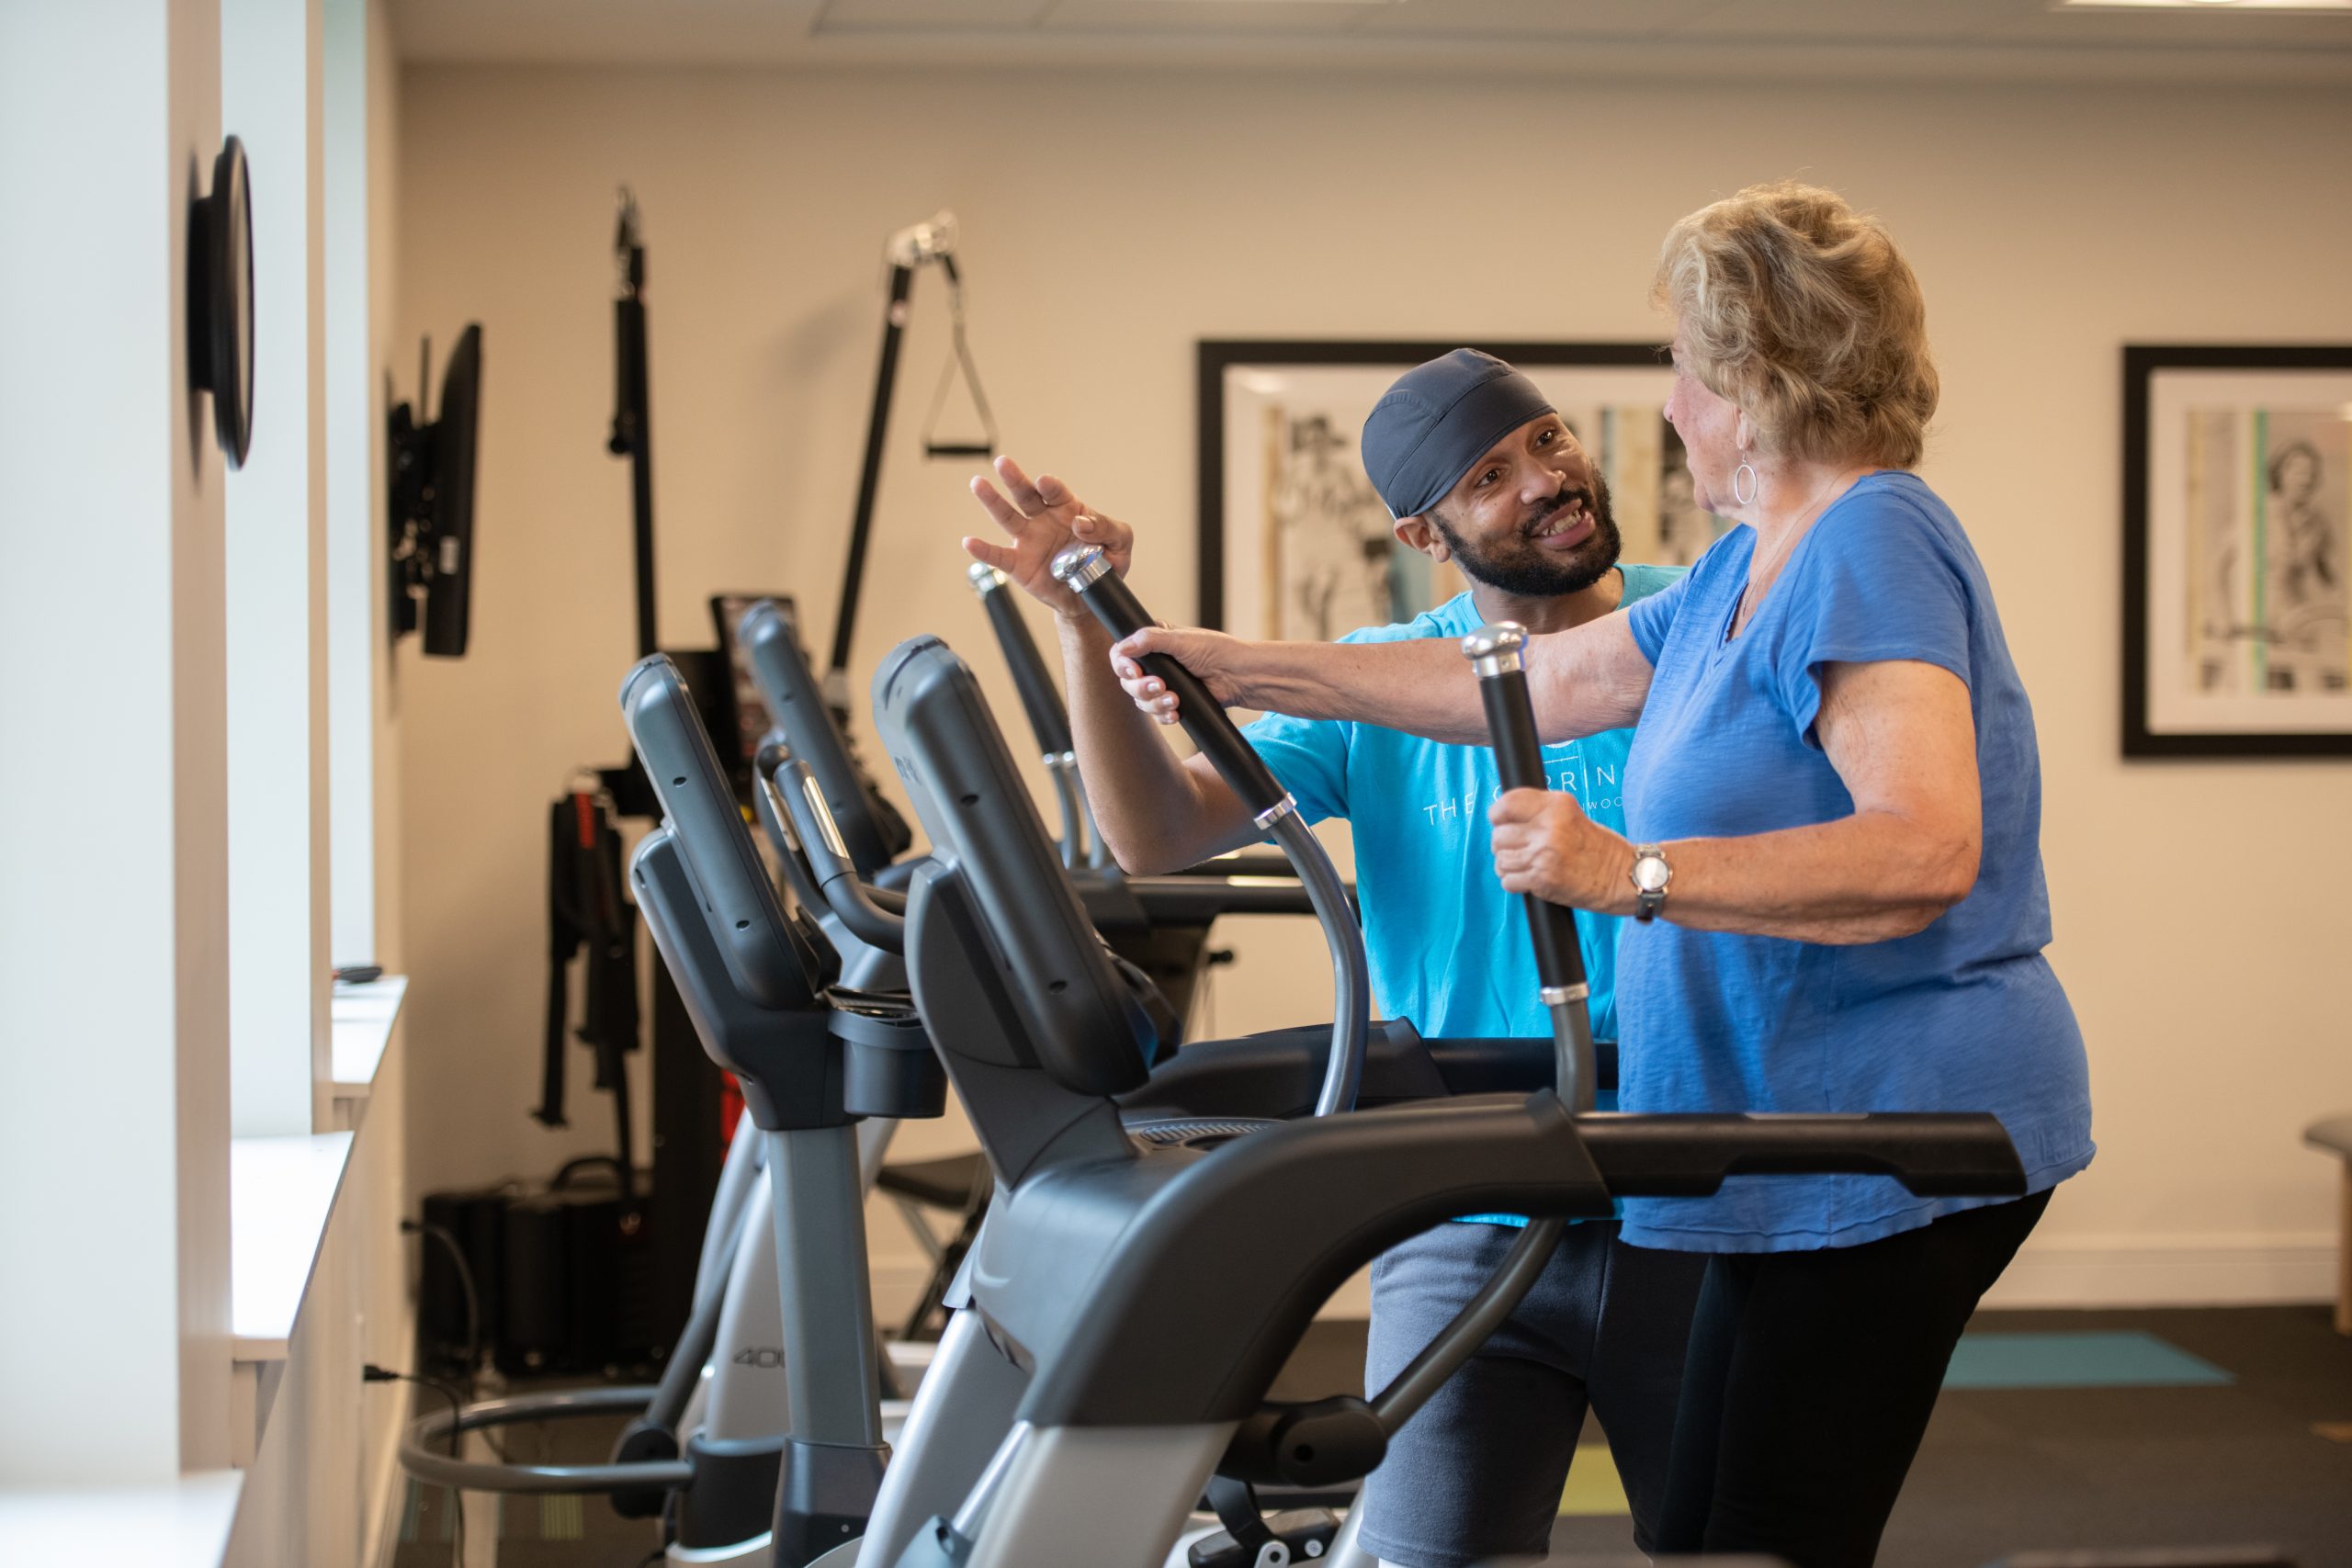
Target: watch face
[[1650, 873]]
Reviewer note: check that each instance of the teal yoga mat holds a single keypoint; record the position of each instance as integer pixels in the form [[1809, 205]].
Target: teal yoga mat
[[2078, 1360]]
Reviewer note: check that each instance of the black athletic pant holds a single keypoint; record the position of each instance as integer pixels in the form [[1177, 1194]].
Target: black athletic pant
[[1809, 1380]]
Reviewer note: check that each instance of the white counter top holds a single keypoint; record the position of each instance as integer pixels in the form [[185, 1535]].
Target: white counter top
[[363, 1018], [174, 1524], [280, 1192]]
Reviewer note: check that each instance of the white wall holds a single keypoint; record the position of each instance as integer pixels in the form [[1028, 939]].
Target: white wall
[[323, 1485], [354, 530], [380, 1158], [114, 1068], [1111, 221], [276, 567], [386, 338]]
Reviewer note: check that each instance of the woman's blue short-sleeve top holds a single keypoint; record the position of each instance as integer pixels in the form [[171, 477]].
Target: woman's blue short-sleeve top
[[1966, 1015]]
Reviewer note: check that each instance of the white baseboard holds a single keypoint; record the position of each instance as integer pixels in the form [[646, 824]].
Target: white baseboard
[[2276, 1268], [385, 1496]]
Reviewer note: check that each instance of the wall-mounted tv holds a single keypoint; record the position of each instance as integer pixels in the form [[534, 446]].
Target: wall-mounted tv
[[431, 502]]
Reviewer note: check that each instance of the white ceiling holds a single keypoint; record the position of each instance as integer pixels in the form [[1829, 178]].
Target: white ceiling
[[2030, 39]]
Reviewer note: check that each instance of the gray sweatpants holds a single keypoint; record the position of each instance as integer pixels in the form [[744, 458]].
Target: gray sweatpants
[[1479, 1472]]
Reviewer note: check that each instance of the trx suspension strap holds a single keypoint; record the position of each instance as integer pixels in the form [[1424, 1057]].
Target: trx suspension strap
[[587, 914], [632, 435]]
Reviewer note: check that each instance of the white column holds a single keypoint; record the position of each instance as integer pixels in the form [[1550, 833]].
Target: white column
[[114, 1078], [278, 903], [354, 583]]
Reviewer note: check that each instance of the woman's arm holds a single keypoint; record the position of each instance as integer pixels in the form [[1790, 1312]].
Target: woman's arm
[[1583, 681], [1903, 740]]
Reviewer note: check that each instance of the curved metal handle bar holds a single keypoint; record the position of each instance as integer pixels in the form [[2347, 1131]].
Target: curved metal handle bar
[[1086, 571], [783, 836], [861, 908], [800, 704], [417, 1455], [1495, 652], [1063, 770], [1351, 983], [1480, 1317]]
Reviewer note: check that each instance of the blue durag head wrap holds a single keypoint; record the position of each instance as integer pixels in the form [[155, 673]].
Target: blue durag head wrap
[[1439, 418]]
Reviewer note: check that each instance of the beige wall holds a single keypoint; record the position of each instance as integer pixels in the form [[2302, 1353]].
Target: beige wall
[[1111, 220]]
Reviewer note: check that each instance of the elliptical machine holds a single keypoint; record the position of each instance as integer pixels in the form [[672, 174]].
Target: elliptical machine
[[813, 1059], [1283, 1072], [776, 1386], [1136, 1290], [1045, 1027]]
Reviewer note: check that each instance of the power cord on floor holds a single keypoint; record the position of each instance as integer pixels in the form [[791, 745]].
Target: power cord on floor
[[448, 1240], [471, 1385], [374, 1374]]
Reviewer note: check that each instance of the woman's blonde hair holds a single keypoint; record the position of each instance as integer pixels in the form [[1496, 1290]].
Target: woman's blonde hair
[[1801, 311]]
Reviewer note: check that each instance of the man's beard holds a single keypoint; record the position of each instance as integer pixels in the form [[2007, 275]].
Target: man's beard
[[1517, 566]]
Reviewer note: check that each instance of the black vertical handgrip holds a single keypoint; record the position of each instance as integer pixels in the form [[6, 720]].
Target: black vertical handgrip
[[1205, 720], [1519, 758], [1039, 698]]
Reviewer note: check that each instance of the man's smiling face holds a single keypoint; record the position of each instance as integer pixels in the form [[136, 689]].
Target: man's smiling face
[[1531, 516]]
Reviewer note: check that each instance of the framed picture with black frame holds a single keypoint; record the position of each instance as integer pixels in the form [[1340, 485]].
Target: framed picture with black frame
[[2237, 539], [1295, 543]]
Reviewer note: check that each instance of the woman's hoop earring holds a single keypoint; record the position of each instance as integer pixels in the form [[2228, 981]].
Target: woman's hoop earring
[[1749, 499]]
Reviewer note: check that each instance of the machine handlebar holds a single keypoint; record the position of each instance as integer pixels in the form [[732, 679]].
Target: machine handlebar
[[1496, 653], [1086, 571]]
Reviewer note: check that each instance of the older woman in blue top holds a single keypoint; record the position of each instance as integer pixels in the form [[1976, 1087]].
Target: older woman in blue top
[[1833, 809]]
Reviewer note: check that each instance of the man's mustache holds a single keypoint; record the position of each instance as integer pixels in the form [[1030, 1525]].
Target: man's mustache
[[1552, 507]]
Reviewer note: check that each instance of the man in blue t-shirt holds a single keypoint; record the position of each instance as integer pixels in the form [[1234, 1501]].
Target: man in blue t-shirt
[[1478, 468]]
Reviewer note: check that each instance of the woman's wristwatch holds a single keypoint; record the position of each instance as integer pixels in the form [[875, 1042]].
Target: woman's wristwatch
[[1650, 877]]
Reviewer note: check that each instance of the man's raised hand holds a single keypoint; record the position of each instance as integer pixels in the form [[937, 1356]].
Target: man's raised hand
[[1042, 518]]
